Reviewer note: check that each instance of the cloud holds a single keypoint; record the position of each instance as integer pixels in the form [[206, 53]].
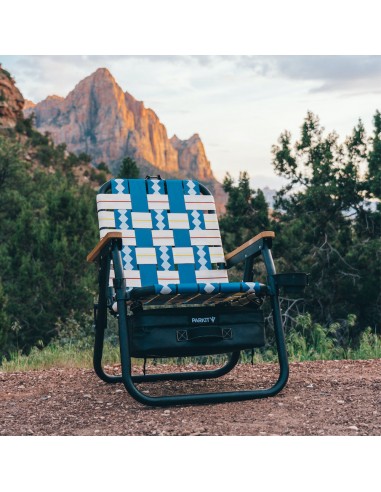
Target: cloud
[[174, 59], [302, 67], [178, 75], [334, 73]]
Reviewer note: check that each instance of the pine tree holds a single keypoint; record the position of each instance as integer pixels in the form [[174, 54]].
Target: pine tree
[[47, 226], [128, 169], [318, 217], [374, 169], [246, 212]]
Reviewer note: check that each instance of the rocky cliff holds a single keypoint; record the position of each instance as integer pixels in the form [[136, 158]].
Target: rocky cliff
[[11, 101], [98, 118], [192, 158]]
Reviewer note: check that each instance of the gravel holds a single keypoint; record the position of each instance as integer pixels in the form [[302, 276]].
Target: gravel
[[321, 398]]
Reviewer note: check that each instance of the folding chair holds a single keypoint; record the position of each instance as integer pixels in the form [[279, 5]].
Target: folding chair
[[163, 274]]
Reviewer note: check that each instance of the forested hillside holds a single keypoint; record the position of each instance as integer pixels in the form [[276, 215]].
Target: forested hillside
[[47, 226], [327, 222]]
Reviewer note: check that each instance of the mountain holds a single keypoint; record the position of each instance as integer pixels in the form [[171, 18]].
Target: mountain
[[101, 120], [11, 101]]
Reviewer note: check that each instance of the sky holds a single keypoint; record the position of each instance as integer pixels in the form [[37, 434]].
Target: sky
[[239, 105]]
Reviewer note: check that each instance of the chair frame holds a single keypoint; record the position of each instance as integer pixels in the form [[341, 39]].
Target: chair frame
[[109, 248]]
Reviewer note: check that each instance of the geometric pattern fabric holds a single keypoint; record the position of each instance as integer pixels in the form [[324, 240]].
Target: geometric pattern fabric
[[171, 237]]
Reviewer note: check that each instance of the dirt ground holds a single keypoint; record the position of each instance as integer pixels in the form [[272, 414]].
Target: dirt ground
[[321, 398]]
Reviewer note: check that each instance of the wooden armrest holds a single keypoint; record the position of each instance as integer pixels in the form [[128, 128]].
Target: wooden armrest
[[252, 246], [93, 255]]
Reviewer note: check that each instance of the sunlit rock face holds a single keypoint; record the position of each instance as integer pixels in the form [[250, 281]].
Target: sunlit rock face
[[98, 118], [11, 101]]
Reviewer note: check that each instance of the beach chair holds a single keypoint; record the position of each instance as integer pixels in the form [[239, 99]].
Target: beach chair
[[164, 276]]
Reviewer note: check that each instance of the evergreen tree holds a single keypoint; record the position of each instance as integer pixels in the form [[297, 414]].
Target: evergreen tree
[[128, 169], [246, 212], [102, 166], [374, 170], [47, 226], [318, 216]]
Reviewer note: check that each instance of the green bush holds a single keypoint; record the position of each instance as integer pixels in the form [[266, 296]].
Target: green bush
[[102, 166], [47, 226]]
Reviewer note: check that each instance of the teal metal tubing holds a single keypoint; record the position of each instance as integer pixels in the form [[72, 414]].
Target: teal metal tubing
[[207, 398]]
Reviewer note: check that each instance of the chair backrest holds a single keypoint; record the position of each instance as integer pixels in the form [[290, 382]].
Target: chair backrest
[[170, 231]]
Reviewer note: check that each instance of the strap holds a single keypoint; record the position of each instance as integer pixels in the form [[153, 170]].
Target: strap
[[202, 333]]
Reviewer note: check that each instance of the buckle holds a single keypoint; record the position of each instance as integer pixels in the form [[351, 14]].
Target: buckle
[[181, 335]]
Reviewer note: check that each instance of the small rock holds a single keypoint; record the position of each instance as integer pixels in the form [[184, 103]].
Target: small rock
[[340, 401], [353, 427], [86, 396], [118, 391], [310, 385]]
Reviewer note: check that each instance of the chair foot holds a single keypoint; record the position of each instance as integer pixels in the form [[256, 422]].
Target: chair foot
[[177, 376], [188, 376], [207, 398]]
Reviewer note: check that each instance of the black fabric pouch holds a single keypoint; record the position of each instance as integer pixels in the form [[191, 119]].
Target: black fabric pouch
[[178, 332]]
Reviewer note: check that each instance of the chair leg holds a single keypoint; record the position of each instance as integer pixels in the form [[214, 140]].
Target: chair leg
[[100, 326], [101, 323], [206, 397], [151, 378], [188, 376], [218, 397]]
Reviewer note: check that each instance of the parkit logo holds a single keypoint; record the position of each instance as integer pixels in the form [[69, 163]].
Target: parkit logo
[[210, 320]]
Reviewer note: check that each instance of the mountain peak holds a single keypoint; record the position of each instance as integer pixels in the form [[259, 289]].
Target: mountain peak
[[28, 104], [102, 72], [180, 144], [102, 77], [99, 118], [175, 141], [194, 137], [53, 97]]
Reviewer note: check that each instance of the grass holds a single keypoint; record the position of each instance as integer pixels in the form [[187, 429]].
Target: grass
[[306, 341], [69, 356]]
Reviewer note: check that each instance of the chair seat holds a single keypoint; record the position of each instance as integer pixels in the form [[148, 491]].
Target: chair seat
[[198, 294]]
